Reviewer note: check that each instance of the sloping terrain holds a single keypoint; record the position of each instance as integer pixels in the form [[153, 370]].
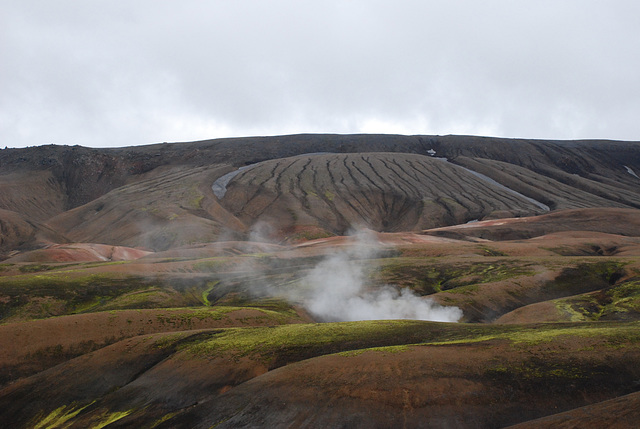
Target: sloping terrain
[[381, 191], [315, 281], [612, 221], [75, 252], [183, 373], [160, 196], [29, 347], [621, 412], [19, 233], [166, 208], [414, 386], [384, 373]]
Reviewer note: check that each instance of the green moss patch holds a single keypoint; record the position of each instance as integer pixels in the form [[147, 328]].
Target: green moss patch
[[215, 264], [109, 418], [35, 296], [619, 302], [427, 276], [528, 335], [186, 317], [586, 277], [533, 370], [288, 341], [5, 267], [387, 350], [58, 417], [34, 268], [488, 251], [314, 234], [296, 342]]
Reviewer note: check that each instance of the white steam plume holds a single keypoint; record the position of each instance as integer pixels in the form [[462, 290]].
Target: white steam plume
[[336, 292]]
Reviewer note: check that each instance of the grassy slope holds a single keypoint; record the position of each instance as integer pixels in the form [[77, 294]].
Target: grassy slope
[[180, 360], [480, 380], [29, 347], [530, 358]]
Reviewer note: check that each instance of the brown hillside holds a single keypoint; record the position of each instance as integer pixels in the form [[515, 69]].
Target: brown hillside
[[20, 233], [160, 196], [202, 284], [381, 191], [618, 413], [169, 207], [607, 220]]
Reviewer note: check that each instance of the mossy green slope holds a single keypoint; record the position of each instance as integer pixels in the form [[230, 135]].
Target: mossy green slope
[[274, 347]]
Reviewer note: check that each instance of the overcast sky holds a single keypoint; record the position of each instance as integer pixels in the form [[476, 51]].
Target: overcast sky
[[119, 73]]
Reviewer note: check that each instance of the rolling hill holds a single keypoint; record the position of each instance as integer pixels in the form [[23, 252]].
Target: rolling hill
[[321, 281]]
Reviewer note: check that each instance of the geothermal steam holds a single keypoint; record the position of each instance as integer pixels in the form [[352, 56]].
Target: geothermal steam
[[335, 291]]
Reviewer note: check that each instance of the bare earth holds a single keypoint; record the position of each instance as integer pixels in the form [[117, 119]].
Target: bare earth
[[138, 290]]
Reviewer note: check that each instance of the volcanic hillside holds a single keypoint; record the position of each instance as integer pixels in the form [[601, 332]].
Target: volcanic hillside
[[161, 196], [367, 281]]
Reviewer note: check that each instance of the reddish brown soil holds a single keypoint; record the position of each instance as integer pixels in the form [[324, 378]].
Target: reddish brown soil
[[446, 386], [605, 220], [534, 236], [222, 248], [18, 233], [80, 252], [487, 302], [145, 371], [618, 413], [159, 197], [539, 312], [29, 347], [488, 384]]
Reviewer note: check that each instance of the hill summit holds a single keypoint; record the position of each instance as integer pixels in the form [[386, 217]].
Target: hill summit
[[167, 195]]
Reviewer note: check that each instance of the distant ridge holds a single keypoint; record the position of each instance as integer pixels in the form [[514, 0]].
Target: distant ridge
[[159, 196]]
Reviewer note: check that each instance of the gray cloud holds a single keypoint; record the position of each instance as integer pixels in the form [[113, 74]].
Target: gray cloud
[[115, 73]]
